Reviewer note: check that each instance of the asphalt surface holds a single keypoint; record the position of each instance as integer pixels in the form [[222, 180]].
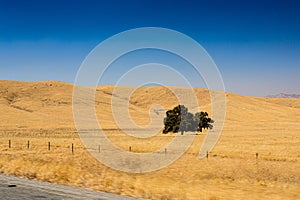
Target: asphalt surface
[[15, 188]]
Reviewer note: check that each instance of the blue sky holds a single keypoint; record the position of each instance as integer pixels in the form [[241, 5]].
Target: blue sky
[[255, 44]]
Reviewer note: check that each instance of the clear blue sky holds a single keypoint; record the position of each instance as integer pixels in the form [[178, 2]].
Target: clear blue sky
[[255, 44]]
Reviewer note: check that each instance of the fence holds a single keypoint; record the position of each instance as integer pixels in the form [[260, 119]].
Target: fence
[[50, 147]]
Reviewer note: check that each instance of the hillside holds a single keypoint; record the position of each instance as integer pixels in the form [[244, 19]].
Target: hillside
[[257, 156], [49, 104]]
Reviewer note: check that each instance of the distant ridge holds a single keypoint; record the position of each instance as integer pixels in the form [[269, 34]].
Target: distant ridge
[[283, 95]]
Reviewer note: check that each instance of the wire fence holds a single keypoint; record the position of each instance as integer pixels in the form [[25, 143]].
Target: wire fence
[[44, 146]]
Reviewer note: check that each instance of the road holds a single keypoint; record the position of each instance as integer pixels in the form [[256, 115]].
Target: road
[[15, 188]]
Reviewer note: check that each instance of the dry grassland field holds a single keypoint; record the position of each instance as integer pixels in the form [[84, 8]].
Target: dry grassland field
[[41, 112]]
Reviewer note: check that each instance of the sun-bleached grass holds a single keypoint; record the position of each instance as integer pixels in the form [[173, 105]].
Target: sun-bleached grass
[[232, 171]]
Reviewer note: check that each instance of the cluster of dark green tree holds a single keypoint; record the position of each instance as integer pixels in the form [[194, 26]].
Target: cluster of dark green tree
[[180, 120]]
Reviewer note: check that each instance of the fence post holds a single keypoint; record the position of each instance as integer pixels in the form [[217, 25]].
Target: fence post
[[256, 156], [129, 148], [49, 146], [72, 148], [9, 143], [28, 144], [206, 154]]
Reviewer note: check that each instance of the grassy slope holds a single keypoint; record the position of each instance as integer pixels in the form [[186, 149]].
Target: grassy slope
[[43, 111]]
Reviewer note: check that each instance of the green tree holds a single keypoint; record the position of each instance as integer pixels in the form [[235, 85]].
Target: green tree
[[204, 122], [179, 119], [172, 121]]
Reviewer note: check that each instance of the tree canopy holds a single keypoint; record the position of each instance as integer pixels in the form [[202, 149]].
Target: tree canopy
[[179, 119]]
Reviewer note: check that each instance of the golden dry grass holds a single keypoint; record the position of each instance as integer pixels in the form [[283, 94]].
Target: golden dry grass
[[42, 112]]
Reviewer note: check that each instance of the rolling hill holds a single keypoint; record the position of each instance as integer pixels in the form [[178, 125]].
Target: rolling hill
[[256, 157], [49, 104]]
